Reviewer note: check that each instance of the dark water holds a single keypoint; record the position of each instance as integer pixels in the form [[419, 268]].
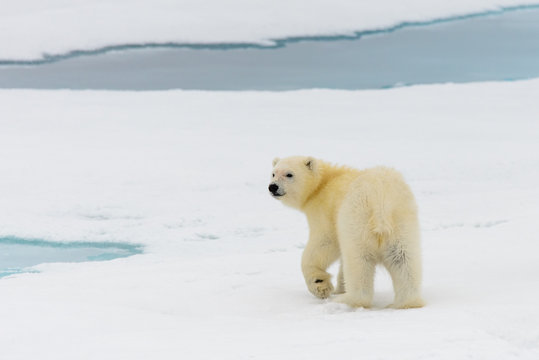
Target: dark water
[[16, 255], [495, 47]]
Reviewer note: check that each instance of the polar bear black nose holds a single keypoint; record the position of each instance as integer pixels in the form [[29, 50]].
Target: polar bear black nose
[[273, 188]]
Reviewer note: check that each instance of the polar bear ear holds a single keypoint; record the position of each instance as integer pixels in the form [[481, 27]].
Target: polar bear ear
[[275, 161], [310, 163]]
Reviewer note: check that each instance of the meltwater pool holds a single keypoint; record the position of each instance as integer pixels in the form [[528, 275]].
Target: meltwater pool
[[18, 255], [481, 47]]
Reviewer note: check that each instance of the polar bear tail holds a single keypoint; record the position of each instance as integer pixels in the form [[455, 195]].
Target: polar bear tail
[[381, 222]]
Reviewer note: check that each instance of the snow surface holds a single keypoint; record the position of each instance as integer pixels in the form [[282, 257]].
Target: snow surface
[[185, 173], [26, 31]]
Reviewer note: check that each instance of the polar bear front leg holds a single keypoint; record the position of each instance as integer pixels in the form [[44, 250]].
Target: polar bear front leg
[[317, 257]]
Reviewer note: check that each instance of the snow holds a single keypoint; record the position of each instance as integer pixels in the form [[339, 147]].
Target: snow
[[185, 174], [26, 31]]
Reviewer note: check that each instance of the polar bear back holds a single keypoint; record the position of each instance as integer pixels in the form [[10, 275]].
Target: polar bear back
[[379, 202]]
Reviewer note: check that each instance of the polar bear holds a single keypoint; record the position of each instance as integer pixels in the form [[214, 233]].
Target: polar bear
[[364, 217]]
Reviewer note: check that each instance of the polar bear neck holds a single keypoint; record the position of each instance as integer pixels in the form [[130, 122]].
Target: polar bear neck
[[329, 175]]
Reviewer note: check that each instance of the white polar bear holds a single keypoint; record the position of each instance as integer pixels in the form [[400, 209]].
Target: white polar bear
[[365, 217]]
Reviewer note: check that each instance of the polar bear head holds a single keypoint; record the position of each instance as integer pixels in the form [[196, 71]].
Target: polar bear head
[[293, 179]]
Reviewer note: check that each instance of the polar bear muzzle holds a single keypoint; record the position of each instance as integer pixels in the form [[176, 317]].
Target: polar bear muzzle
[[274, 190]]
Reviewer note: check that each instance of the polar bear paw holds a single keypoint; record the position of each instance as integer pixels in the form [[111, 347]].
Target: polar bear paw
[[321, 288], [352, 301], [408, 304]]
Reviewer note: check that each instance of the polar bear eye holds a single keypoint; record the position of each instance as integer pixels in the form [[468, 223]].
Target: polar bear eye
[[272, 175], [289, 175]]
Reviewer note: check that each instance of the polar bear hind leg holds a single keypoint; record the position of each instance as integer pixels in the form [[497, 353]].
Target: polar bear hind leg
[[402, 258], [358, 266], [359, 280]]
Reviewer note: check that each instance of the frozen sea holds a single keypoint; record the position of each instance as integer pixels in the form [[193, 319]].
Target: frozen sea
[[178, 179], [491, 46]]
